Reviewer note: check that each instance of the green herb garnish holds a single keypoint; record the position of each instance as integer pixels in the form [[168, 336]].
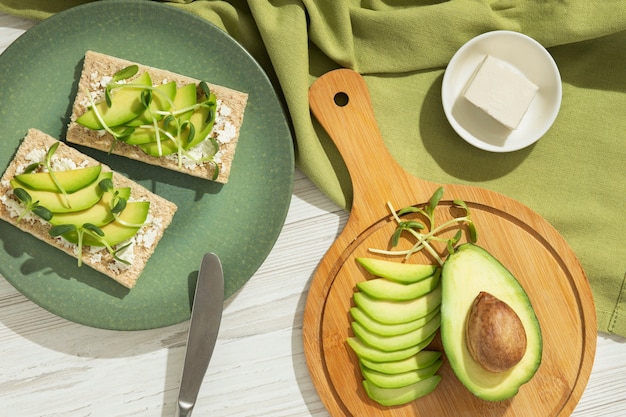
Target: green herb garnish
[[31, 205], [423, 239]]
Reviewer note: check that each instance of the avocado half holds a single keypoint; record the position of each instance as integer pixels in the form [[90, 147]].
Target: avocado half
[[466, 273]]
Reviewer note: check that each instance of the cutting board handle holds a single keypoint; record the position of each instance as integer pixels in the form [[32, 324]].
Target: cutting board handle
[[341, 102]]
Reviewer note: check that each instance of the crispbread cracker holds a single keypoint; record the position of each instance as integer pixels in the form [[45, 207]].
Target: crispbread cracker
[[97, 65], [159, 217]]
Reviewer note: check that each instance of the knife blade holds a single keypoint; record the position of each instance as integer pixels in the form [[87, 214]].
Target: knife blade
[[206, 315]]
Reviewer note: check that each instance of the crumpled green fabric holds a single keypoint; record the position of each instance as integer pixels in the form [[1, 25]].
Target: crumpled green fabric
[[575, 176]]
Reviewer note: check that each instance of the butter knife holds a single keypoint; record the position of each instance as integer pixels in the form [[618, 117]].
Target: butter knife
[[206, 315]]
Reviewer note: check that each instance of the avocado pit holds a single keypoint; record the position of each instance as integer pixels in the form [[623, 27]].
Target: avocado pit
[[495, 335]]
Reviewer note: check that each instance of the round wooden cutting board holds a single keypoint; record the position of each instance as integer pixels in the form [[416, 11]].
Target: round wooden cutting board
[[524, 242]]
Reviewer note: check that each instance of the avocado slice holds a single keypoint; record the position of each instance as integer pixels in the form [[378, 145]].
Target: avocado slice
[[168, 147], [99, 214], [185, 97], [392, 290], [70, 180], [397, 271], [162, 100], [394, 312], [397, 396], [465, 274], [126, 105], [383, 380], [78, 200], [418, 361], [365, 351], [142, 135], [202, 123], [115, 232], [397, 342], [383, 329]]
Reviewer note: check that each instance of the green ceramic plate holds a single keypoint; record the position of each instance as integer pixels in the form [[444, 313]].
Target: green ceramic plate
[[239, 221]]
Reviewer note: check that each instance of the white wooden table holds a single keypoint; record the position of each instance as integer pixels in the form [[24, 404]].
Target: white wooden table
[[52, 367]]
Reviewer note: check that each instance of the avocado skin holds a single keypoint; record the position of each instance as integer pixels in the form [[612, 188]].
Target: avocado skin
[[465, 273]]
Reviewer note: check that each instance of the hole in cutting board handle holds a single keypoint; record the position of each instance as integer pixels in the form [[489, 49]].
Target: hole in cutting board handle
[[341, 99]]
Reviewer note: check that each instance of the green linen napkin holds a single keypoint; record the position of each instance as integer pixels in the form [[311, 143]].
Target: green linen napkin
[[575, 176]]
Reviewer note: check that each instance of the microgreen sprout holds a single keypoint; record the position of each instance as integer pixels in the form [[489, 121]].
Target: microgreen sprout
[[31, 205], [424, 239]]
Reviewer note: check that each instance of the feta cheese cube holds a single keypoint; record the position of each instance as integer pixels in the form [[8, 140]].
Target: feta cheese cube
[[501, 91]]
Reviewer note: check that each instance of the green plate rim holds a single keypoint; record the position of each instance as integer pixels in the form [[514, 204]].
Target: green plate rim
[[245, 216]]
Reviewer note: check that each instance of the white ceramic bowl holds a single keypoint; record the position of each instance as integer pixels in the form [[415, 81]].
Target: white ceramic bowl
[[529, 57]]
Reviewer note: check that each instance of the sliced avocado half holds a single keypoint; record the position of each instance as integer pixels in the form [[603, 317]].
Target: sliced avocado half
[[465, 274]]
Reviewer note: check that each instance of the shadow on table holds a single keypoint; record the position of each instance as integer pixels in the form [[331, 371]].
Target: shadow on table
[[301, 370]]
